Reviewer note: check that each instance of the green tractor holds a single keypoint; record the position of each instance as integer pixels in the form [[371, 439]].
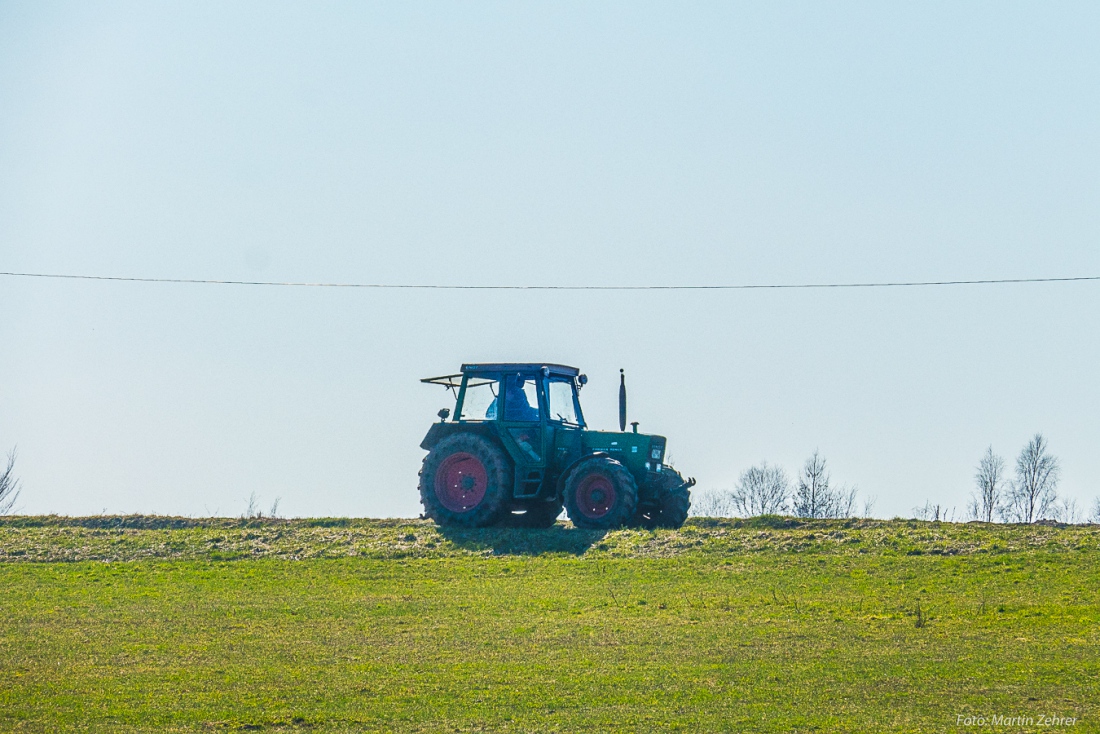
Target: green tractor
[[517, 450]]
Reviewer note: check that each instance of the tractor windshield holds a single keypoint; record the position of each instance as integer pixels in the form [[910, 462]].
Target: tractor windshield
[[480, 400], [563, 406]]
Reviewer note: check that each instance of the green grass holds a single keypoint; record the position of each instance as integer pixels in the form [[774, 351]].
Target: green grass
[[158, 624]]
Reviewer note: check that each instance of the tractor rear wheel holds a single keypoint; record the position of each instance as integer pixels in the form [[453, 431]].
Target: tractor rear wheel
[[600, 493], [465, 481]]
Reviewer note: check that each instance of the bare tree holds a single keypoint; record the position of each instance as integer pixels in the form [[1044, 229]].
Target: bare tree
[[816, 497], [9, 486], [253, 510], [811, 494], [762, 490], [844, 504], [1035, 490], [934, 513], [990, 480], [1066, 510], [712, 503], [1095, 517]]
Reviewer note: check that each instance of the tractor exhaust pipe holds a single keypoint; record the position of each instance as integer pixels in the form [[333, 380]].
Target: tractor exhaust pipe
[[622, 401]]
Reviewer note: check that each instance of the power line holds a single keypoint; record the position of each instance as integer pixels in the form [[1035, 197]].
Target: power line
[[431, 286]]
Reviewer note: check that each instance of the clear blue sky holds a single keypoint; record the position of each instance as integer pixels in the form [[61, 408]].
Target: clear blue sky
[[541, 143]]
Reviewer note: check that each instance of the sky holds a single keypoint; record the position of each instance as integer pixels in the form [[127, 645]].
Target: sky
[[562, 143]]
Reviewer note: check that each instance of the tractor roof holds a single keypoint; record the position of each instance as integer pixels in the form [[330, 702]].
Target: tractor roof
[[559, 370], [497, 368]]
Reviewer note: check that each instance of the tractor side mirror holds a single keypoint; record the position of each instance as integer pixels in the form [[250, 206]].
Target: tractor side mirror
[[582, 381], [443, 414]]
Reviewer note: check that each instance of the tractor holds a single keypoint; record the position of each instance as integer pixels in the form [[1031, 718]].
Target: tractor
[[517, 450]]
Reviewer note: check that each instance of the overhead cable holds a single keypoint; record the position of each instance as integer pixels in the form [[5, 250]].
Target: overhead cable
[[454, 287]]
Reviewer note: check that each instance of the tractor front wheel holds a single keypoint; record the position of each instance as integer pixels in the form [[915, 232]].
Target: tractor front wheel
[[466, 481], [600, 494], [673, 510], [673, 502]]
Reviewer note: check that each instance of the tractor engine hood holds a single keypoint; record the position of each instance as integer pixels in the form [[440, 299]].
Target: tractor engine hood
[[627, 447]]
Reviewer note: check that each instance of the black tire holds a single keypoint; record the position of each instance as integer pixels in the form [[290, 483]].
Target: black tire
[[479, 486], [541, 515], [673, 501], [673, 510], [600, 494]]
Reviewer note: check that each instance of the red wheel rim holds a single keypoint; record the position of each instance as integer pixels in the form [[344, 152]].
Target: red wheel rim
[[460, 482], [596, 496]]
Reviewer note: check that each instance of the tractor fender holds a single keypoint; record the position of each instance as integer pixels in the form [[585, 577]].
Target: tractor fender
[[569, 469], [440, 431]]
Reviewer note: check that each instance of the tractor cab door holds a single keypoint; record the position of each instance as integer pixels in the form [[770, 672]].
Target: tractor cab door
[[523, 428], [565, 424]]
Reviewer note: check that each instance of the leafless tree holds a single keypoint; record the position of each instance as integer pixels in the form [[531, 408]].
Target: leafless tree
[[811, 494], [869, 506], [9, 486], [844, 504], [253, 510], [841, 503], [1035, 490], [934, 513], [1067, 510], [712, 503], [1095, 517], [816, 497], [762, 490], [990, 480]]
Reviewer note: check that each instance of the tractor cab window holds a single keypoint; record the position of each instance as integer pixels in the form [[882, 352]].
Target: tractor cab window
[[480, 401], [521, 399], [562, 405]]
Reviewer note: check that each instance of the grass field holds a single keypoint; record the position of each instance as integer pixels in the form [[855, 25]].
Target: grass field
[[160, 624]]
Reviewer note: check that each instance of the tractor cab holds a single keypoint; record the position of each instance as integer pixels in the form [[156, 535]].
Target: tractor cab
[[516, 444], [524, 393]]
